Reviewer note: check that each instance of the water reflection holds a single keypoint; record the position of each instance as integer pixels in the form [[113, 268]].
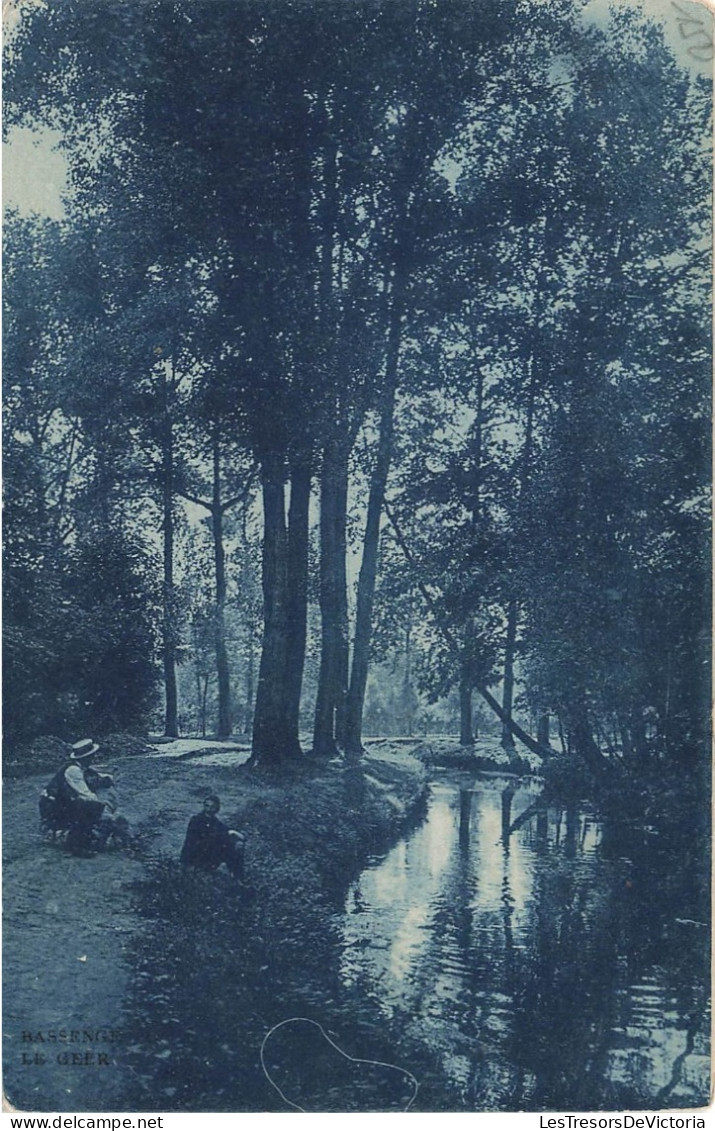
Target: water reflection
[[523, 950]]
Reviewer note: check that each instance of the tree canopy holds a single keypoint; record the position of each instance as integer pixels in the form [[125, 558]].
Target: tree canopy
[[434, 277]]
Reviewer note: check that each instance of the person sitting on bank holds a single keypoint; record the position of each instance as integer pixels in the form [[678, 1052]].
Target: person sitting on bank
[[210, 843], [69, 801]]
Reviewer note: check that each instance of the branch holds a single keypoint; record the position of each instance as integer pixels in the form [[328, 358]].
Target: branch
[[63, 535], [229, 502], [243, 497], [43, 425], [199, 502], [236, 499]]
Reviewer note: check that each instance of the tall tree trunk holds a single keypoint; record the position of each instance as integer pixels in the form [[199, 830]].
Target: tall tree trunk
[[272, 741], [366, 582], [466, 645], [543, 735], [197, 676], [466, 734], [582, 734], [102, 488], [204, 696], [638, 736], [169, 626], [250, 674], [371, 541], [342, 636], [298, 546], [333, 673], [329, 723], [407, 683], [507, 738], [562, 736], [466, 685], [224, 683], [625, 733], [513, 609]]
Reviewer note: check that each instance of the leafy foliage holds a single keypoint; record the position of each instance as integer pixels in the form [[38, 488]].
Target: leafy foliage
[[456, 252]]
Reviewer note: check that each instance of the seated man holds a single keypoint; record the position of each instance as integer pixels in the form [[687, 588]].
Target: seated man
[[82, 802], [210, 843], [69, 802]]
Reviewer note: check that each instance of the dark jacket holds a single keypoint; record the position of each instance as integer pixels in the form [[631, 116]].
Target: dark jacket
[[207, 843], [68, 799]]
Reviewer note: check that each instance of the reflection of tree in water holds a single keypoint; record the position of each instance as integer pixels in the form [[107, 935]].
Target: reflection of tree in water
[[663, 939], [451, 951], [535, 1006], [563, 989], [532, 964], [504, 1019], [459, 993], [555, 975], [597, 935]]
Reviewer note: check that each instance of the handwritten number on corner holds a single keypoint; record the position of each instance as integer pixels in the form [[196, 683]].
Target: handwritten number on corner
[[690, 27]]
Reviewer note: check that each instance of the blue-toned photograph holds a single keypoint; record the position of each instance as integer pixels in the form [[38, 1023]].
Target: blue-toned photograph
[[357, 363]]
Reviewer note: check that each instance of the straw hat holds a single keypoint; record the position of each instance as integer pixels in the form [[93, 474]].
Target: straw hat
[[83, 749]]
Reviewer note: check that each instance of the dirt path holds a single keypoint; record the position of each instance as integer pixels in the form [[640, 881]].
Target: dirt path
[[68, 923]]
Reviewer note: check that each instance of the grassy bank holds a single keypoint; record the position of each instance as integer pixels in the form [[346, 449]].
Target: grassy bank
[[213, 970], [485, 754]]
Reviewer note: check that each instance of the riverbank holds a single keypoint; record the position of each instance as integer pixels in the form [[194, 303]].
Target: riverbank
[[215, 969], [457, 958], [166, 962], [202, 985]]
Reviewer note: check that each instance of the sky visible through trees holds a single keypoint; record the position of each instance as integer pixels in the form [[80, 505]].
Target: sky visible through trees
[[362, 383]]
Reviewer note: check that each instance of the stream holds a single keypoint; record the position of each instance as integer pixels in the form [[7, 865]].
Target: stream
[[544, 958]]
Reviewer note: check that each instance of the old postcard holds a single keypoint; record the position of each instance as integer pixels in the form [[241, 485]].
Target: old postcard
[[357, 380]]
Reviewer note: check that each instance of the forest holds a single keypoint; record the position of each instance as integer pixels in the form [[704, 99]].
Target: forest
[[357, 463], [363, 386]]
